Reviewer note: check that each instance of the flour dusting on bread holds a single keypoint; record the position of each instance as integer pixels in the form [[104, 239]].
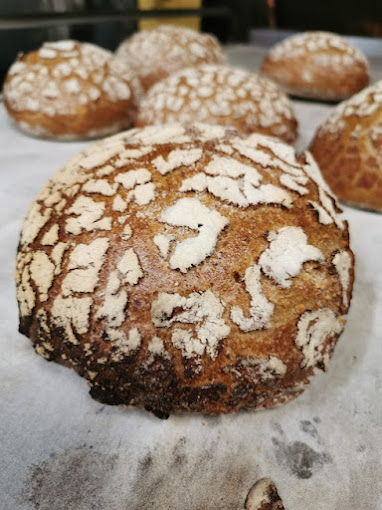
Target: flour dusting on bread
[[182, 269]]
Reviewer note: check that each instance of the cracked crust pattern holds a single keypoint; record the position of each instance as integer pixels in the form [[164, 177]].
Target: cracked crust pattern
[[348, 148], [154, 54], [68, 90], [317, 65], [184, 298], [217, 94]]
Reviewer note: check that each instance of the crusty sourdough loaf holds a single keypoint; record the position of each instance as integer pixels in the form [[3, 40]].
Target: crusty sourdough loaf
[[264, 496], [186, 270], [68, 90], [348, 148], [220, 95], [154, 54], [317, 65]]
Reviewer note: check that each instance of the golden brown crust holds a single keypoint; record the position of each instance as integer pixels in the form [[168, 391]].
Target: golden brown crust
[[348, 148], [317, 65], [220, 95], [68, 90], [154, 54], [181, 300]]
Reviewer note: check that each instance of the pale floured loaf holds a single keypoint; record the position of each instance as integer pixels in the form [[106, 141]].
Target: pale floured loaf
[[186, 270], [154, 54], [317, 65], [68, 90], [348, 148], [220, 95], [264, 496]]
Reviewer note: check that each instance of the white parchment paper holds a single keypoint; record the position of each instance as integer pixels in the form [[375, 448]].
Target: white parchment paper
[[59, 449]]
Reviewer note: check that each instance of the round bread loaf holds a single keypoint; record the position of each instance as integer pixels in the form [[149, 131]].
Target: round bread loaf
[[317, 65], [154, 54], [220, 95], [186, 270], [264, 496], [68, 90], [348, 148]]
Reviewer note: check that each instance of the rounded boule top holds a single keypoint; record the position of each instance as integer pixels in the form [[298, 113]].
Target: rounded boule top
[[154, 54], [186, 269]]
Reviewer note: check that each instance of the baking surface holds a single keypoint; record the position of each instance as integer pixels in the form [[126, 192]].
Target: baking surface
[[59, 449]]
